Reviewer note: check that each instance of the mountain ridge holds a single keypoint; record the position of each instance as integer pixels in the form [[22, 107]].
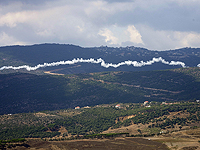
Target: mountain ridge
[[46, 53]]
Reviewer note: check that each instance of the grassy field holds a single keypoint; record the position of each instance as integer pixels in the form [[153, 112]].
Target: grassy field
[[180, 140], [107, 144]]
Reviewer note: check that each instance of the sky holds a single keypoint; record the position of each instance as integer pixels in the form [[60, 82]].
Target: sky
[[152, 24]]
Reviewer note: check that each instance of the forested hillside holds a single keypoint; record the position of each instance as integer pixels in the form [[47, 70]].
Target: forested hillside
[[22, 92], [46, 53], [131, 119]]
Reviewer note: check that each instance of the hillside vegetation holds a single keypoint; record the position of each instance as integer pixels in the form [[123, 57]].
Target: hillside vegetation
[[21, 92], [46, 53], [131, 119]]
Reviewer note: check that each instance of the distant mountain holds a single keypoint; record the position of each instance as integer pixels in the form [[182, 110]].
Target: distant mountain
[[47, 53], [22, 92]]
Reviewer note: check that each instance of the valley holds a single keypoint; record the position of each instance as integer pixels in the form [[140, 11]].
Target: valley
[[88, 106]]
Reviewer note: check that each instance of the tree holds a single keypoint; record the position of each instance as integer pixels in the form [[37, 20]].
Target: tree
[[139, 131]]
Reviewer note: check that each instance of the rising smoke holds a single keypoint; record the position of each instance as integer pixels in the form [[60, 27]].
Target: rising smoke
[[101, 61]]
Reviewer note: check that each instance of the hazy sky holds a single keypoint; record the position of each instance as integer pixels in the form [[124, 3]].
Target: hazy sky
[[152, 24]]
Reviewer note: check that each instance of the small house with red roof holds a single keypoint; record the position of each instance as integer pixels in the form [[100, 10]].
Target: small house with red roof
[[77, 107], [117, 106], [145, 103]]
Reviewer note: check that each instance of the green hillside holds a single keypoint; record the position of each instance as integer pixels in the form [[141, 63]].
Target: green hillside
[[21, 92], [131, 119], [47, 53]]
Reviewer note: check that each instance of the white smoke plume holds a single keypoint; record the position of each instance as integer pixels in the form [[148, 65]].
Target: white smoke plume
[[101, 61], [198, 65]]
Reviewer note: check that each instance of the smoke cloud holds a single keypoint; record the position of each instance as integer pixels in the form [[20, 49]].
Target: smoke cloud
[[198, 65], [98, 61]]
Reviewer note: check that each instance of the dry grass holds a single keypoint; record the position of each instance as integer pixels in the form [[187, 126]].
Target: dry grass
[[186, 139], [114, 144]]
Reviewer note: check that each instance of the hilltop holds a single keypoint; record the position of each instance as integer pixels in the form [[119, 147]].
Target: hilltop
[[46, 53]]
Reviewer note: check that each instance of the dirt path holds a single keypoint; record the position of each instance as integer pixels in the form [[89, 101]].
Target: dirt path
[[136, 86], [48, 72]]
